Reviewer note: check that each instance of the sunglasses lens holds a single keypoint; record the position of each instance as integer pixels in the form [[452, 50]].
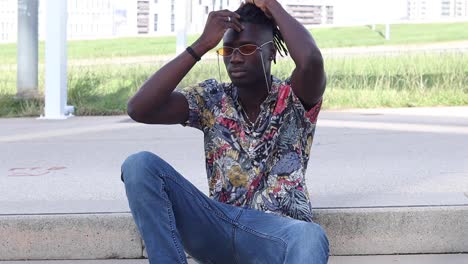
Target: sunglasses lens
[[225, 51], [247, 49]]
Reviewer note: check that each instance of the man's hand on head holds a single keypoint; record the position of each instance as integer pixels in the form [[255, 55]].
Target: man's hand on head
[[217, 24], [262, 4]]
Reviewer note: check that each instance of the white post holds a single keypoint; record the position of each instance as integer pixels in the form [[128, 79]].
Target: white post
[[27, 51], [56, 61], [324, 14], [387, 31], [182, 23]]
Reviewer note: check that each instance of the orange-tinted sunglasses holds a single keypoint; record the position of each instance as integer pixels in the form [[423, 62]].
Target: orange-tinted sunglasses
[[247, 49]]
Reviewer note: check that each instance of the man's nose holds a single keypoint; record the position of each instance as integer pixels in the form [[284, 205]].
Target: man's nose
[[236, 56]]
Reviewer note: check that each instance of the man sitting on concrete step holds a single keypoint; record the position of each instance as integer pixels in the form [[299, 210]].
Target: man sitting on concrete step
[[258, 132]]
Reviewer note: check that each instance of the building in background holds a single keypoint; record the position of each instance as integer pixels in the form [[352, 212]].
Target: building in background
[[88, 19], [8, 20], [159, 16], [436, 9], [162, 18], [311, 12], [91, 19]]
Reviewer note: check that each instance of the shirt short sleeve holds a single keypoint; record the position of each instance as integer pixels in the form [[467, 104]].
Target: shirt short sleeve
[[201, 98], [311, 114]]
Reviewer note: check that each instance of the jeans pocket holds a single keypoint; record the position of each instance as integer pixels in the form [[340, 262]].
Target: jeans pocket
[[253, 247]]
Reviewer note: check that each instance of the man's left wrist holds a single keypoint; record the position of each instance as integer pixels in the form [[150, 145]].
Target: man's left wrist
[[271, 5]]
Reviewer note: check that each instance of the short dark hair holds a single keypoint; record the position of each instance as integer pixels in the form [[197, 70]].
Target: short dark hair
[[250, 13]]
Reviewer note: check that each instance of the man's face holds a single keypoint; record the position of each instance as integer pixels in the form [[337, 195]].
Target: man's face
[[247, 69]]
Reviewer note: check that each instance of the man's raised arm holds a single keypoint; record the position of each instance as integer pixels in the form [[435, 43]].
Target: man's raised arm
[[308, 78], [155, 102]]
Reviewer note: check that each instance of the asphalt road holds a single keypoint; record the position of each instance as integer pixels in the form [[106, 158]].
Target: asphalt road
[[360, 158]]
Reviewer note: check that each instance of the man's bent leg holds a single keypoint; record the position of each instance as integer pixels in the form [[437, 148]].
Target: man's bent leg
[[265, 238], [307, 243], [172, 214]]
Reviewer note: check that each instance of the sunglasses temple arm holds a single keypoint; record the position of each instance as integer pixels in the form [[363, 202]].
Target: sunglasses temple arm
[[219, 70], [264, 73]]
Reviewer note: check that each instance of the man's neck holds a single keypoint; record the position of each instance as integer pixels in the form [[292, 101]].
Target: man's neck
[[251, 99], [253, 95]]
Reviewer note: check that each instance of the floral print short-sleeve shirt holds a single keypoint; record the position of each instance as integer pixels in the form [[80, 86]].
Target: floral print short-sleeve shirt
[[260, 165]]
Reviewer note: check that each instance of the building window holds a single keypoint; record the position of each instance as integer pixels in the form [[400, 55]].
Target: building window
[[172, 23], [155, 22], [143, 16], [172, 16], [329, 19]]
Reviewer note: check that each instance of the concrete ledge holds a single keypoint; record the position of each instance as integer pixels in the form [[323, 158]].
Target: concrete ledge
[[398, 230], [73, 236], [351, 231]]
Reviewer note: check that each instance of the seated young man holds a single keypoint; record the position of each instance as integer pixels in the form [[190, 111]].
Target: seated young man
[[258, 133]]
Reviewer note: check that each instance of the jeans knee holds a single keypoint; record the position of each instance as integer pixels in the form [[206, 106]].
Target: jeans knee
[[136, 164], [309, 243], [318, 236]]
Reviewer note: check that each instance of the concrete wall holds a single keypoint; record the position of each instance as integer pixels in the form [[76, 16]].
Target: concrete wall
[[351, 231]]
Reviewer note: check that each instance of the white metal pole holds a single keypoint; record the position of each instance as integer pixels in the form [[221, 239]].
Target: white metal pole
[[387, 31], [27, 51], [181, 24], [56, 61]]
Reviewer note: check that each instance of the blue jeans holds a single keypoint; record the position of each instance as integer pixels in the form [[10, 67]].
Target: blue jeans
[[172, 215]]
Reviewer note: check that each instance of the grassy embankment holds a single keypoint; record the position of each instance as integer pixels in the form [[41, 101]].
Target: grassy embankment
[[382, 81]]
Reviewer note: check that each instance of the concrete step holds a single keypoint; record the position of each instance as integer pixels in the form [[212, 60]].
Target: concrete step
[[351, 231], [382, 259]]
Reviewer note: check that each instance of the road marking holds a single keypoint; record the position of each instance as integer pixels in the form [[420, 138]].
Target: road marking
[[451, 111], [403, 127], [33, 171], [68, 132]]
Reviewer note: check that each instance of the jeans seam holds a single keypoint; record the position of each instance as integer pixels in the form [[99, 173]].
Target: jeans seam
[[236, 256], [165, 176], [258, 234], [286, 249], [269, 237], [168, 176], [204, 204], [171, 222], [262, 235]]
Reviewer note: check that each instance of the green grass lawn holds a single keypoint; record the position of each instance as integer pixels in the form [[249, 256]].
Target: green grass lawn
[[353, 82], [399, 34], [325, 37]]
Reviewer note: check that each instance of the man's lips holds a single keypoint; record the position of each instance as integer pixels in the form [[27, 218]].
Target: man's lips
[[237, 72]]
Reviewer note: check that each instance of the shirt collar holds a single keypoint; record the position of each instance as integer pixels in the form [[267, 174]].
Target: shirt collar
[[275, 83]]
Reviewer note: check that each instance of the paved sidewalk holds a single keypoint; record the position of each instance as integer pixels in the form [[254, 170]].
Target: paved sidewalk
[[382, 181], [360, 158], [392, 259]]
